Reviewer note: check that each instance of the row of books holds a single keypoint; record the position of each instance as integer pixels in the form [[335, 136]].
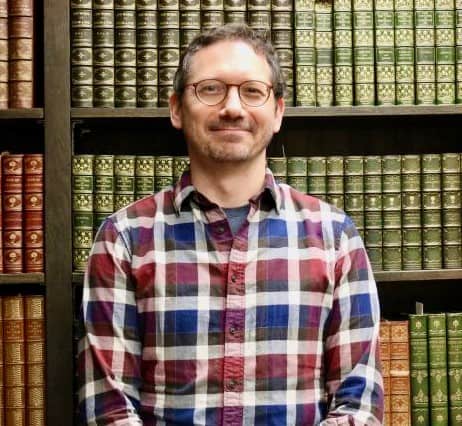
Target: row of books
[[408, 208], [21, 213], [16, 54], [339, 52], [22, 360]]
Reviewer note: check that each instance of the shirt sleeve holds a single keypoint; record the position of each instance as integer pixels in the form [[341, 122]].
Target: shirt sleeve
[[353, 373], [110, 348]]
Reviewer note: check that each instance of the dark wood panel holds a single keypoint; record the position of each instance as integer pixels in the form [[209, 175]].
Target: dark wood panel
[[18, 113], [60, 371], [23, 278]]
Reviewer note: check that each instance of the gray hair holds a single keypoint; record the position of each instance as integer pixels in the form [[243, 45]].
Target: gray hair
[[237, 32]]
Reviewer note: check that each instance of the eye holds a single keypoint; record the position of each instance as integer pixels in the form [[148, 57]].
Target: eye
[[254, 89], [210, 87]]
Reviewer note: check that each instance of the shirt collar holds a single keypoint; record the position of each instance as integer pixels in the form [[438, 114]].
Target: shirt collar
[[184, 189]]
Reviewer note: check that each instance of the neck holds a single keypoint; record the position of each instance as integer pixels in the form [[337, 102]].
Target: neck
[[229, 185]]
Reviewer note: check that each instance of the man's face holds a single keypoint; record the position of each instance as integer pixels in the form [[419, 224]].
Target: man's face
[[230, 131]]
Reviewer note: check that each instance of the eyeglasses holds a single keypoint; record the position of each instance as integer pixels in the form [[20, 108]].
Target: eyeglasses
[[211, 92]]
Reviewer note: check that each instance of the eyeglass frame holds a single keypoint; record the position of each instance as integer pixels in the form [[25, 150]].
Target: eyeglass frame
[[269, 87]]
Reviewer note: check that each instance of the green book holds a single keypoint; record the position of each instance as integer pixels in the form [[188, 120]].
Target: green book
[[404, 52], [437, 355], [343, 52], [425, 52], [385, 52], [81, 53], [418, 340], [124, 180], [324, 54], [104, 188], [454, 339], [445, 51], [363, 52], [144, 176], [458, 7]]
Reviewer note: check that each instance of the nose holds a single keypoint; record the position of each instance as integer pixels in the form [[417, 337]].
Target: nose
[[232, 106]]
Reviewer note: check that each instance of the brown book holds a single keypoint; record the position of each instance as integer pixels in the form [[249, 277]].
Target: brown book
[[33, 213], [385, 354], [2, 367], [34, 318], [14, 360], [20, 53], [1, 215], [400, 380], [3, 54], [12, 199]]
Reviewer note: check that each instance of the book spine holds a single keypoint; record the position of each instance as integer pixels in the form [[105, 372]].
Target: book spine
[[34, 330], [385, 52], [373, 222], [343, 52], [125, 54], [451, 208], [354, 190], [21, 54], [169, 45], [305, 58], [103, 53], [418, 339], [3, 54], [124, 180], [81, 53], [144, 176], [33, 213], [445, 51], [437, 355], [324, 54], [103, 192], [146, 54], [425, 68], [385, 358], [14, 360], [82, 209], [454, 340], [458, 7], [282, 20], [404, 52], [12, 165], [363, 52], [411, 211], [180, 165], [400, 385], [335, 183], [1, 216], [317, 177], [2, 368], [278, 166], [431, 211], [297, 173], [163, 170]]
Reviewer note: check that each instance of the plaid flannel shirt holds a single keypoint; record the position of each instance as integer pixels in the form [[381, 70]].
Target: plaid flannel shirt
[[187, 324]]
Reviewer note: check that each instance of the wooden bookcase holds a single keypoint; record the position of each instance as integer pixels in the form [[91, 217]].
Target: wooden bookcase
[[61, 131]]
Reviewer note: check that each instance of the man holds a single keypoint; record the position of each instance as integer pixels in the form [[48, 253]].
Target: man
[[229, 299]]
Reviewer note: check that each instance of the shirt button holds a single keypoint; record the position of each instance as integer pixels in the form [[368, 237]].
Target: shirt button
[[231, 384], [233, 278], [232, 330]]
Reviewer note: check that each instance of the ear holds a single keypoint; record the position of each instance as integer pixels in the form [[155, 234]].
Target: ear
[[279, 113], [175, 111]]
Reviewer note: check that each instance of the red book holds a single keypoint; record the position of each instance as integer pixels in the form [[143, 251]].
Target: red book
[[3, 54], [33, 213], [1, 211], [20, 53], [12, 170]]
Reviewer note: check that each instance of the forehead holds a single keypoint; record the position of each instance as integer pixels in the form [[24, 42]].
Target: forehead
[[229, 60]]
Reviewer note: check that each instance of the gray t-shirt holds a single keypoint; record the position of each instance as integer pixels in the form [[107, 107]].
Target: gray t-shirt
[[236, 217]]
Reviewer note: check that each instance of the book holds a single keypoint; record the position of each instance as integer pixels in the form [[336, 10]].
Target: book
[[12, 171], [399, 374], [124, 180], [458, 83], [81, 18], [33, 213], [1, 216], [418, 339], [454, 342], [14, 360], [3, 54], [385, 359], [2, 368], [103, 193], [20, 54], [384, 24], [34, 333], [437, 355]]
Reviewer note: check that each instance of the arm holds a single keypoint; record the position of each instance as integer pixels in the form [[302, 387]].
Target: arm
[[110, 348], [353, 377]]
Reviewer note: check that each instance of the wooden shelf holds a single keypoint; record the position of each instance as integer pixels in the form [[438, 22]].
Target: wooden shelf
[[19, 113], [381, 276], [354, 111], [22, 278]]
